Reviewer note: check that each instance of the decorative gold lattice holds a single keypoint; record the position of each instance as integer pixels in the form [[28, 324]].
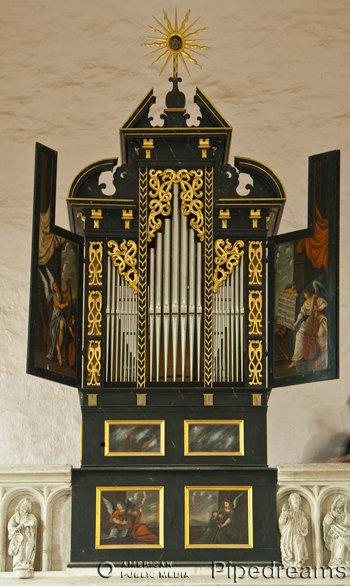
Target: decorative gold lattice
[[123, 256], [255, 255], [94, 313], [255, 367], [255, 313], [93, 367], [227, 257], [208, 289], [141, 323], [95, 264], [191, 184]]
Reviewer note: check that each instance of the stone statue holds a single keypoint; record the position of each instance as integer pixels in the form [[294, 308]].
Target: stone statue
[[293, 527], [22, 536], [336, 532]]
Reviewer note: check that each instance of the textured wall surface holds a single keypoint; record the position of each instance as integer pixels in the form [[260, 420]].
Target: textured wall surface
[[71, 72]]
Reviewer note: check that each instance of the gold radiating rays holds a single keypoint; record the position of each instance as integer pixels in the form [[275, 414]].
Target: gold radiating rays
[[176, 42]]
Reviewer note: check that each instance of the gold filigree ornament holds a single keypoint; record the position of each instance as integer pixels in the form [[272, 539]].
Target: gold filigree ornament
[[93, 366], [95, 313], [227, 257], [255, 313], [191, 183], [255, 362], [176, 42], [255, 267], [95, 263], [160, 183], [124, 255]]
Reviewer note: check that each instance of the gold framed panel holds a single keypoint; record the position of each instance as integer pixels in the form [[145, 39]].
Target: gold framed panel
[[189, 422], [244, 524], [134, 422], [139, 532]]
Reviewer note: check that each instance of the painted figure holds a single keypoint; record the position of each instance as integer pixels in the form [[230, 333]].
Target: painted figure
[[22, 536], [311, 337], [208, 535], [57, 322], [293, 527], [336, 532], [127, 526]]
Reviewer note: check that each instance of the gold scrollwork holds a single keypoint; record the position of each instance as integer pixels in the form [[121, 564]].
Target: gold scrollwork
[[94, 313], [227, 254], [95, 264], [255, 313], [93, 366], [255, 268], [160, 183], [123, 256], [255, 362], [191, 184]]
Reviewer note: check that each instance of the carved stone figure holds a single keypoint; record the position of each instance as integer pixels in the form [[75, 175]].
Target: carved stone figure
[[293, 527], [336, 532], [22, 536]]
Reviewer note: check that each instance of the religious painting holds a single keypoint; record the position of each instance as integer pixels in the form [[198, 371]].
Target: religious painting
[[54, 323], [304, 286], [218, 516], [134, 438], [214, 438], [129, 517]]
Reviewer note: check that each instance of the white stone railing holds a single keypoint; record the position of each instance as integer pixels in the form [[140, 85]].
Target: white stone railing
[[49, 489]]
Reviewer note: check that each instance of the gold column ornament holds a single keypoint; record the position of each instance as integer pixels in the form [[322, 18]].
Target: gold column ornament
[[94, 313], [255, 313], [224, 215], [255, 215], [93, 366], [92, 402], [255, 367], [227, 257], [255, 268], [204, 145], [208, 274], [176, 42], [127, 215], [208, 399], [123, 256], [95, 264], [96, 216], [256, 399], [142, 287], [141, 399], [148, 145]]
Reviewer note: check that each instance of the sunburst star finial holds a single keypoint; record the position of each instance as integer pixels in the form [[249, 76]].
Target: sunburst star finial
[[176, 42]]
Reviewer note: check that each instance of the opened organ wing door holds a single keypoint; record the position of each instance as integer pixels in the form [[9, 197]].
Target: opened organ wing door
[[172, 338]]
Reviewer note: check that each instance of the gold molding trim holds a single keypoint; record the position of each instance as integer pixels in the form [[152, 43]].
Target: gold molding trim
[[249, 545], [142, 287], [255, 313], [159, 422], [93, 366], [208, 275], [228, 254], [160, 183], [95, 264], [255, 367], [255, 267], [138, 546], [123, 256], [94, 318], [239, 422]]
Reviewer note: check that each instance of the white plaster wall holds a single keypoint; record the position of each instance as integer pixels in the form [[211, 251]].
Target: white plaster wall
[[71, 72]]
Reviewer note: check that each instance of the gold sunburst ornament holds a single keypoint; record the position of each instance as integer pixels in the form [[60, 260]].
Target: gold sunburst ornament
[[176, 42]]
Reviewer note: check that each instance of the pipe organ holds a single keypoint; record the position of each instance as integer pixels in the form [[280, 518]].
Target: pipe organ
[[171, 305]]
